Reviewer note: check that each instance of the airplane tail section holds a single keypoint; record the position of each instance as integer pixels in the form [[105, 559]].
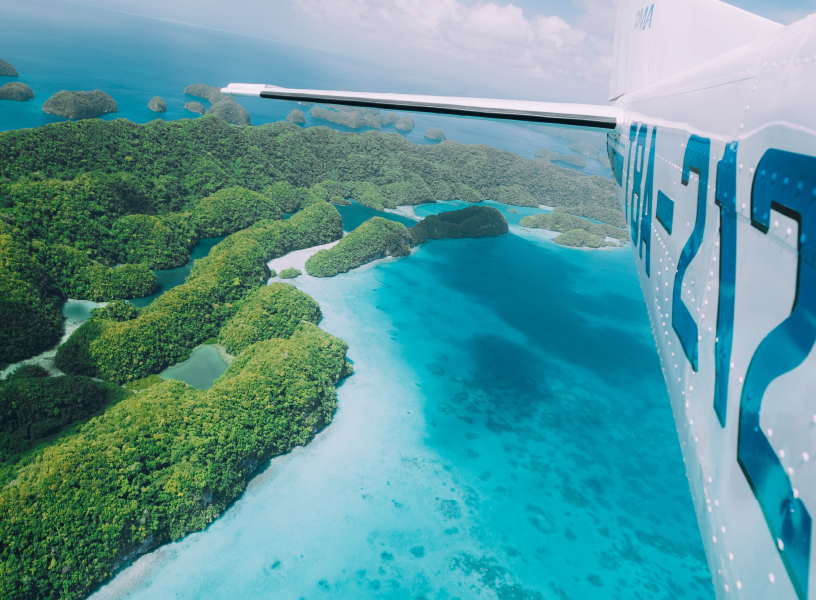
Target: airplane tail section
[[656, 39]]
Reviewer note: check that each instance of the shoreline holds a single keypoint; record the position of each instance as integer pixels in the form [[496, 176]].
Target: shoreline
[[405, 210], [296, 259]]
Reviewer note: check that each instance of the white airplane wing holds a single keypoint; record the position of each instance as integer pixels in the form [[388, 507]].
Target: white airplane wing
[[581, 115]]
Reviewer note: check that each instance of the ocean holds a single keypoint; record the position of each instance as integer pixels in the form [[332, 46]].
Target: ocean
[[506, 433]]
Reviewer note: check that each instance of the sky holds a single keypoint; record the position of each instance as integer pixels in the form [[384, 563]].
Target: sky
[[558, 50]]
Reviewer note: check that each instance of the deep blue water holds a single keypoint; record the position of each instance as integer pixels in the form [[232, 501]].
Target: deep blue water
[[506, 433]]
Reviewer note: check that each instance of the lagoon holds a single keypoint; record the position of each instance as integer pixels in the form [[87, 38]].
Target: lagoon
[[200, 371]]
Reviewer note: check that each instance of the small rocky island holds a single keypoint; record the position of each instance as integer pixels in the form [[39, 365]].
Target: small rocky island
[[16, 91], [289, 273], [405, 124], [470, 222], [80, 105], [195, 107], [157, 104], [223, 106], [296, 116], [435, 134], [7, 70]]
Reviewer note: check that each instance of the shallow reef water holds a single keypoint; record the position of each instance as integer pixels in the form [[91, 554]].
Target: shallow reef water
[[506, 434]]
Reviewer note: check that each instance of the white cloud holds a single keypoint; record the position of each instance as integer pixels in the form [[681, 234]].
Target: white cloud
[[491, 35]]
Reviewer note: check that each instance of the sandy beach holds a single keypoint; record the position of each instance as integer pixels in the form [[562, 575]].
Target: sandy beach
[[296, 259], [404, 211]]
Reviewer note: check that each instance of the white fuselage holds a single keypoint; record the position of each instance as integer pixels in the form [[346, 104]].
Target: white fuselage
[[725, 254]]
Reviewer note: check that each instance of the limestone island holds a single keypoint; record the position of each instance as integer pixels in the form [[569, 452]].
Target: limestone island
[[470, 222], [376, 238], [6, 70], [232, 112], [576, 231], [296, 116], [405, 124], [223, 106], [195, 107], [158, 105], [435, 134], [289, 273], [80, 105], [380, 238], [19, 92], [209, 92], [350, 119]]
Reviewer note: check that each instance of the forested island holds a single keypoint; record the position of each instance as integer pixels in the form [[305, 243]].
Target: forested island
[[576, 231], [381, 238], [14, 90], [87, 210], [7, 69], [80, 105]]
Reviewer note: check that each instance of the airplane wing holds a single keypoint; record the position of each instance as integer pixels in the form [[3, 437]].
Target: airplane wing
[[581, 115]]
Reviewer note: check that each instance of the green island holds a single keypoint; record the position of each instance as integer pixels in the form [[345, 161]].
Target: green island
[[470, 222], [109, 461], [376, 238], [80, 105], [380, 238], [289, 273], [576, 231], [14, 90]]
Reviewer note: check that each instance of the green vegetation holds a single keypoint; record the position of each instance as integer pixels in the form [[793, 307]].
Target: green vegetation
[[289, 273], [79, 277], [230, 210], [470, 222], [14, 90], [563, 222], [405, 124], [435, 134], [77, 199], [33, 408], [142, 384], [80, 105], [158, 242], [160, 464], [178, 162], [157, 104], [273, 311], [376, 238], [581, 238], [296, 116], [27, 372], [7, 70], [165, 332]]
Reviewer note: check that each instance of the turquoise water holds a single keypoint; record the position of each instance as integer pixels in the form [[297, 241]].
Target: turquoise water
[[357, 213], [170, 278], [506, 434], [78, 311], [62, 45], [200, 371]]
